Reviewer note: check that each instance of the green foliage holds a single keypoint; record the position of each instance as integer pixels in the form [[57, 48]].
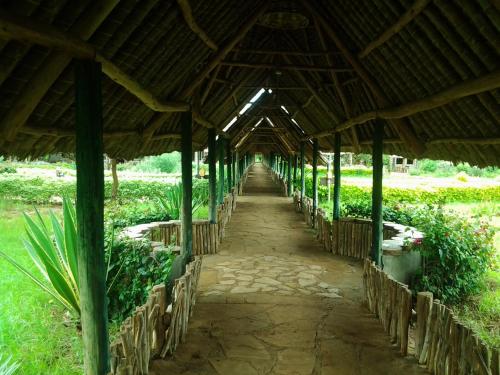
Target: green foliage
[[54, 253], [7, 169], [456, 254], [171, 201], [7, 367], [133, 270], [124, 214], [440, 168], [166, 163]]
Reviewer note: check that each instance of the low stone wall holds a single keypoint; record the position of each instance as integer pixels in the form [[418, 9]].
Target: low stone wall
[[155, 329], [206, 236]]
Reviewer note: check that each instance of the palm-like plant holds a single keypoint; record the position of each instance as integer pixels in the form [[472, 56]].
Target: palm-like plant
[[55, 255], [172, 201], [6, 367]]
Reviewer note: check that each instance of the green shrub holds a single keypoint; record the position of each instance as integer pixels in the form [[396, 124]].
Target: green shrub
[[5, 170], [456, 253], [121, 214], [165, 163], [133, 271]]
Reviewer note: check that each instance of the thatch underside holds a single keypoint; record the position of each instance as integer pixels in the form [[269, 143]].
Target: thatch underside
[[391, 52]]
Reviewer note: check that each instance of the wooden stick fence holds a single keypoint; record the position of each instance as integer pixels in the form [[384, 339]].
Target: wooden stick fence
[[445, 346], [391, 301], [206, 236], [155, 329]]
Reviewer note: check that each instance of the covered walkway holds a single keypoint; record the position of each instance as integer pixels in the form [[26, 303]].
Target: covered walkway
[[273, 302]]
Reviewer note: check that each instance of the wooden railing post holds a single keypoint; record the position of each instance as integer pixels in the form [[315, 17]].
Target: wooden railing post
[[377, 220], [212, 178], [187, 185], [90, 217]]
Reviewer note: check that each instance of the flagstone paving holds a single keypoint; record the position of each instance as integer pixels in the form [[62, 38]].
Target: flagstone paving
[[273, 302]]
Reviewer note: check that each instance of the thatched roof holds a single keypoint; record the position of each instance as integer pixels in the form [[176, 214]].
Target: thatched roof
[[428, 70]]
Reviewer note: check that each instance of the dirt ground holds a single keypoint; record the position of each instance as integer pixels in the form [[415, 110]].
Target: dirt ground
[[273, 302]]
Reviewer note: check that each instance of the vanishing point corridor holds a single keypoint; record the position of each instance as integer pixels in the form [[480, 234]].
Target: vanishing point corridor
[[273, 302]]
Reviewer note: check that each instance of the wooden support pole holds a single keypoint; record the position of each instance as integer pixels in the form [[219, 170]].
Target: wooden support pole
[[220, 198], [289, 176], [315, 179], [212, 177], [187, 186], [336, 174], [377, 219], [229, 156], [90, 217], [302, 172], [295, 167]]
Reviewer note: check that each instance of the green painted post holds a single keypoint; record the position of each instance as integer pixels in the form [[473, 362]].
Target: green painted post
[[302, 172], [220, 199], [235, 169], [295, 166], [336, 176], [378, 165], [212, 178], [187, 186], [289, 176], [315, 179], [90, 217], [229, 165]]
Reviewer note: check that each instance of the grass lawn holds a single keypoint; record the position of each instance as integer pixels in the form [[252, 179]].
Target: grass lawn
[[31, 323]]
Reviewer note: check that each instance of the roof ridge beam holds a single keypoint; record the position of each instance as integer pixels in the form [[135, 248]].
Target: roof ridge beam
[[417, 7], [289, 66], [474, 86], [403, 128], [187, 13]]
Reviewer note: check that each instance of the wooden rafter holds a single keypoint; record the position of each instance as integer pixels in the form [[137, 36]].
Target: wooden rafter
[[339, 89], [187, 13], [23, 29], [51, 69], [284, 52], [402, 126], [188, 91], [312, 68], [417, 7], [469, 87]]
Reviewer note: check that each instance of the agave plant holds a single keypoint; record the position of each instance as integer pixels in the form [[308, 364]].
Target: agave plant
[[54, 252], [172, 201], [6, 367]]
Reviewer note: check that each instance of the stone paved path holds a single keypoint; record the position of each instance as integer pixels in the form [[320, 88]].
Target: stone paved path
[[273, 302]]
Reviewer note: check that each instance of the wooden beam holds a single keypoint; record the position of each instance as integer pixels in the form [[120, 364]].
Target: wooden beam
[[51, 69], [276, 87], [460, 90], [339, 89], [28, 30], [302, 173], [403, 127], [90, 217], [467, 141], [60, 132], [315, 180], [221, 150], [313, 68], [281, 52], [417, 7], [187, 13], [210, 83], [188, 91]]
